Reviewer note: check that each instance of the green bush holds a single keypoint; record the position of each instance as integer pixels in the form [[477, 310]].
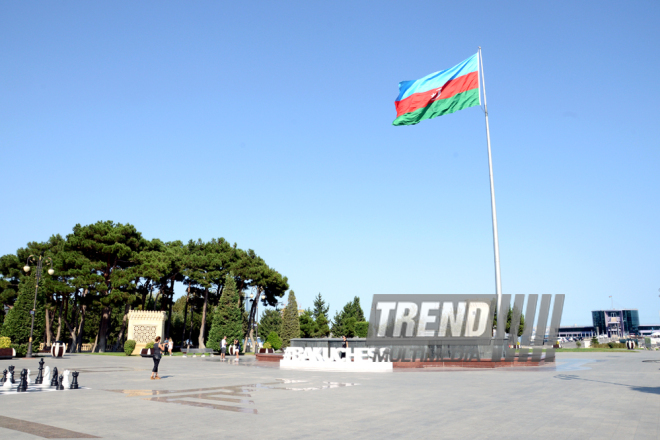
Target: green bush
[[5, 342], [610, 344], [129, 346], [150, 345], [594, 341], [578, 344], [21, 349], [274, 340], [267, 345]]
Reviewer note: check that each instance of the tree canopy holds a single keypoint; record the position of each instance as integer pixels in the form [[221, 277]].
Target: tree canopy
[[102, 270]]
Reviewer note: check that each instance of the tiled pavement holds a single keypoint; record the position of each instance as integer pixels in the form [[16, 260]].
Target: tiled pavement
[[599, 396]]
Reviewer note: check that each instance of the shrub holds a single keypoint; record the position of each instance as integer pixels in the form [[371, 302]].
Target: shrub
[[610, 344], [594, 341], [578, 344], [129, 346], [5, 342], [267, 345], [21, 349], [149, 345], [274, 340]]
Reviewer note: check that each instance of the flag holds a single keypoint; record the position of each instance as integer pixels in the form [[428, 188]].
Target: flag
[[439, 93]]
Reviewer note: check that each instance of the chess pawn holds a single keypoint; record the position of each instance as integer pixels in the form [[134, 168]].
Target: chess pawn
[[40, 378], [59, 384], [11, 374], [6, 385], [28, 376], [53, 381], [74, 384], [66, 384], [22, 385], [4, 377], [46, 379]]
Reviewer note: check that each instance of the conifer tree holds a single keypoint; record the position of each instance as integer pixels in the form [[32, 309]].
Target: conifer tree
[[308, 327], [271, 321], [17, 323], [227, 316], [322, 327], [290, 322]]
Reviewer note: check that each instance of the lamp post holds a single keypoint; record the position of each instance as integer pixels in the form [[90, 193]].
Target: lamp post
[[26, 268]]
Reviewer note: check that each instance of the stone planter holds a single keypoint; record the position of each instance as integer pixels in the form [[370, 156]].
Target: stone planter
[[266, 350], [146, 353], [57, 349], [7, 353]]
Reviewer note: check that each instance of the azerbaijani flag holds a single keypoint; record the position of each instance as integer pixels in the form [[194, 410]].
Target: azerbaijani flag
[[439, 93]]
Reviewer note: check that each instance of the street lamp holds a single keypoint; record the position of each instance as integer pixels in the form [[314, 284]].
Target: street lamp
[[26, 268]]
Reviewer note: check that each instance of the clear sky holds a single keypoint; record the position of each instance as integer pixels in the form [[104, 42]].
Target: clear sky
[[270, 124]]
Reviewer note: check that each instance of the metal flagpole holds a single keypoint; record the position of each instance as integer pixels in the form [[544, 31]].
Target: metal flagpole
[[496, 245]]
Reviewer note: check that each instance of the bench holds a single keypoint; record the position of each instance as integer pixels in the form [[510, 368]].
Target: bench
[[202, 351]]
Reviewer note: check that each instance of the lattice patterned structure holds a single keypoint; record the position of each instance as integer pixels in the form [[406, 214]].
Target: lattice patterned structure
[[144, 326]]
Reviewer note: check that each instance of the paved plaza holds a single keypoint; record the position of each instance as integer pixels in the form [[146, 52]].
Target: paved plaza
[[596, 395]]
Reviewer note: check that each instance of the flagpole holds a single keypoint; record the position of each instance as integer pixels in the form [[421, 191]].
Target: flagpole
[[496, 245]]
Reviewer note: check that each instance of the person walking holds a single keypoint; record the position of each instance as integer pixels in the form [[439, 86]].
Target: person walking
[[157, 350], [170, 345], [223, 348], [237, 347], [344, 345]]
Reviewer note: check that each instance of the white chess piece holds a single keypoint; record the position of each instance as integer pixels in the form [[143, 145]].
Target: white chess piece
[[7, 384], [65, 380], [29, 381], [46, 381]]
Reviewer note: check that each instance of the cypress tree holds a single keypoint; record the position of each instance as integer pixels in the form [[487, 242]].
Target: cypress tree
[[227, 316], [290, 322], [17, 323]]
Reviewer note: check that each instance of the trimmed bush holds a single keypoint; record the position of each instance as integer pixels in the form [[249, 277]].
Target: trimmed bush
[[129, 346], [149, 345], [267, 345], [274, 341], [5, 342]]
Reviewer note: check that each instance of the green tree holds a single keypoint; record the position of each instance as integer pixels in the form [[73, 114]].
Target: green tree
[[227, 316], [509, 316], [344, 323], [19, 320], [321, 319], [290, 322], [308, 327], [110, 248], [271, 321]]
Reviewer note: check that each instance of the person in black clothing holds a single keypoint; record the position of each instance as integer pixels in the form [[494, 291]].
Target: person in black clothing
[[344, 345], [157, 350]]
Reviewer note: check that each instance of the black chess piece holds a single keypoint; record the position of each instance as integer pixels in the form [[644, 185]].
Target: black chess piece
[[40, 377], [74, 383], [11, 374], [4, 377], [22, 385], [59, 383], [53, 381]]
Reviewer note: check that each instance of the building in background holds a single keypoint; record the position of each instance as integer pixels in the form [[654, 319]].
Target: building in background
[[616, 322]]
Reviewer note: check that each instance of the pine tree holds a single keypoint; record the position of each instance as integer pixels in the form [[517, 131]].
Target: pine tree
[[308, 327], [290, 322], [345, 321], [17, 323], [227, 316], [320, 308], [271, 321]]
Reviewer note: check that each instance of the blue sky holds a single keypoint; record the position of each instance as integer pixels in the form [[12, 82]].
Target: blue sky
[[269, 124]]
